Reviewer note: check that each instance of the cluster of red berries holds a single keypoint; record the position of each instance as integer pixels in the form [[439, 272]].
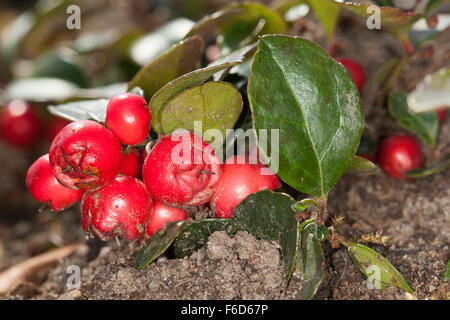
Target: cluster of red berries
[[86, 162]]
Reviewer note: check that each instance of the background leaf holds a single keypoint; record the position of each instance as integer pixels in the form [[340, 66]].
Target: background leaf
[[319, 125], [372, 263], [362, 166], [182, 58], [447, 272], [432, 93], [256, 19], [395, 20], [426, 124], [216, 104], [438, 166], [41, 89], [309, 263], [328, 13], [81, 110], [170, 90], [159, 243]]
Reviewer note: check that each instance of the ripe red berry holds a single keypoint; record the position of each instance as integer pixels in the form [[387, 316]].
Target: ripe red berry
[[132, 164], [44, 187], [55, 125], [441, 115], [356, 71], [181, 170], [398, 154], [20, 126], [162, 214], [85, 155], [128, 117], [239, 179], [121, 209]]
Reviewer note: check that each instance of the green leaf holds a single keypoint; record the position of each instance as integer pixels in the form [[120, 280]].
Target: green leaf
[[319, 124], [309, 262], [447, 272], [196, 235], [147, 48], [439, 166], [395, 20], [211, 23], [362, 166], [216, 104], [243, 55], [267, 215], [426, 124], [170, 90], [328, 13], [182, 58], [376, 268], [81, 110], [58, 64], [159, 243], [256, 19], [432, 93]]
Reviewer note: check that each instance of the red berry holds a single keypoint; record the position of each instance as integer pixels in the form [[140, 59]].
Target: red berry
[[356, 71], [181, 170], [442, 115], [132, 164], [85, 155], [398, 154], [44, 187], [55, 125], [239, 179], [20, 126], [162, 214], [128, 117], [121, 209]]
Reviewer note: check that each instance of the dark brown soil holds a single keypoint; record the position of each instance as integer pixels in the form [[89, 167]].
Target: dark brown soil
[[415, 214]]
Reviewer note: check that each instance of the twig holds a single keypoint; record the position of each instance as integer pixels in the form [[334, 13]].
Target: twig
[[24, 271]]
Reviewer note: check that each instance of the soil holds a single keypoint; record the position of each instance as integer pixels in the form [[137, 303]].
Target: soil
[[416, 214]]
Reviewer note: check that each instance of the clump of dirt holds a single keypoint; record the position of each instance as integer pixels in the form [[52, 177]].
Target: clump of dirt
[[239, 267]]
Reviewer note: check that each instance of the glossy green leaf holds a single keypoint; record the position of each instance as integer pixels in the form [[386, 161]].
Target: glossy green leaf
[[438, 166], [447, 272], [379, 271], [362, 166], [319, 124], [211, 23], [81, 110], [256, 19], [426, 124], [196, 235], [328, 13], [432, 93], [395, 20], [267, 215], [170, 90], [216, 104], [283, 6], [159, 242], [309, 262], [182, 58]]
